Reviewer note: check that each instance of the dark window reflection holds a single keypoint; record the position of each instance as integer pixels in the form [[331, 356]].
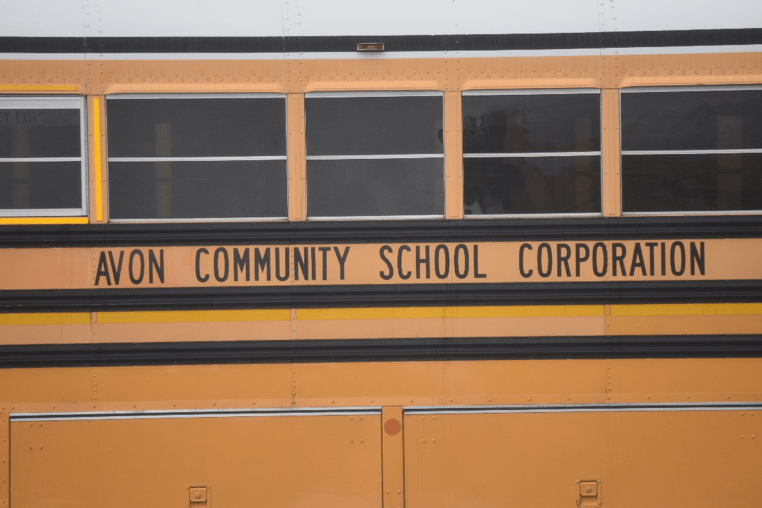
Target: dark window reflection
[[197, 127], [48, 133], [563, 124], [214, 127], [684, 183], [531, 123], [205, 190], [695, 120], [40, 133], [40, 185], [374, 125], [362, 135], [528, 185], [365, 188]]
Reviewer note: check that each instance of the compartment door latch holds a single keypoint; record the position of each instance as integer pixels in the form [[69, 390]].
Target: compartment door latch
[[589, 494], [198, 497]]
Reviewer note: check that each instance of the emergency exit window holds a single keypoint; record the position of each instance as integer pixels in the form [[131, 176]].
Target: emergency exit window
[[43, 168], [531, 152], [197, 157]]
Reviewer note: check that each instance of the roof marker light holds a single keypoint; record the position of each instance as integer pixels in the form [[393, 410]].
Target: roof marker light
[[370, 46]]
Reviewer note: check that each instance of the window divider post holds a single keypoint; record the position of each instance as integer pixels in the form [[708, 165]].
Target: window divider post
[[611, 154], [297, 162], [453, 155]]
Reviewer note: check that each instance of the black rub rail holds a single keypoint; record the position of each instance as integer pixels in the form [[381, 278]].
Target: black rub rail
[[379, 350], [393, 295], [418, 231]]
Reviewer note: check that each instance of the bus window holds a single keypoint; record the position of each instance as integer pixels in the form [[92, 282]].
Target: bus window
[[197, 157], [42, 161], [374, 155], [691, 150], [531, 152]]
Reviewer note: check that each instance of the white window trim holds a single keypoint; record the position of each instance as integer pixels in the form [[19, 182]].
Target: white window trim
[[77, 102]]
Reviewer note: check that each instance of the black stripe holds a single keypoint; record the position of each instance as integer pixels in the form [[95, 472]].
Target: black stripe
[[394, 43], [380, 350], [418, 231], [185, 44], [550, 293], [682, 38], [42, 45]]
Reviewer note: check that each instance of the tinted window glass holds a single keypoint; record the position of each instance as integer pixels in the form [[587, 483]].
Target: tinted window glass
[[185, 190], [40, 185], [684, 183], [42, 159], [374, 125], [196, 127], [657, 122], [40, 133], [353, 148], [527, 185], [174, 131], [692, 120], [365, 188], [566, 124], [531, 123]]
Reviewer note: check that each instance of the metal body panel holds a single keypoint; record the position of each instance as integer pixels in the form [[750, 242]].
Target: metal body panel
[[473, 432], [142, 18], [636, 15], [374, 384], [267, 461], [44, 18], [229, 18], [181, 74], [271, 18], [341, 17], [659, 459]]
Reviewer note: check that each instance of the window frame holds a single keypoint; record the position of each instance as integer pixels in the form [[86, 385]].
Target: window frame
[[159, 96], [598, 153], [730, 151], [365, 94], [55, 102]]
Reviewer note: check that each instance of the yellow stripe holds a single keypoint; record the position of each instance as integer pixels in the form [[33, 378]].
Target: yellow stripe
[[56, 318], [43, 220], [531, 311], [194, 316], [698, 309], [97, 157], [372, 313], [39, 88], [452, 312]]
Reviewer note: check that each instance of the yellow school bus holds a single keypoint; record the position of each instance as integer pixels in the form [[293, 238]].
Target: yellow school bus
[[418, 254]]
